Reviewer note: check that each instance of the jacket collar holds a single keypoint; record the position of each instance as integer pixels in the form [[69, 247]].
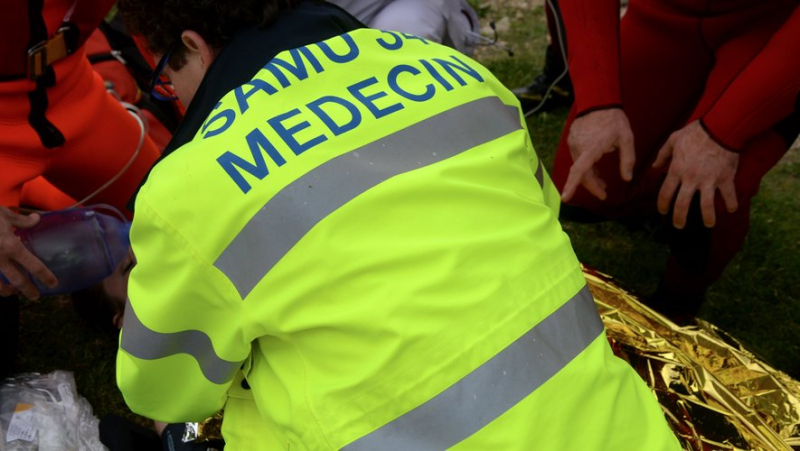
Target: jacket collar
[[248, 52]]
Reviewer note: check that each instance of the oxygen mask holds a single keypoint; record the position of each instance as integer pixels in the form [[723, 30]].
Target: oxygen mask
[[81, 246]]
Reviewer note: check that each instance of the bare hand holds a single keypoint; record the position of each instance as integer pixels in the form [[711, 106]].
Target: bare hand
[[14, 255], [698, 164], [592, 136]]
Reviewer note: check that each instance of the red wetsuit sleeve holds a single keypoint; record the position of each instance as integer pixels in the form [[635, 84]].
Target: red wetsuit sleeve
[[14, 37], [87, 15], [15, 28], [763, 94], [592, 30]]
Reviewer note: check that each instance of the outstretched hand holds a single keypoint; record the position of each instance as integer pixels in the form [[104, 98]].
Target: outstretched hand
[[592, 136], [15, 257], [698, 164]]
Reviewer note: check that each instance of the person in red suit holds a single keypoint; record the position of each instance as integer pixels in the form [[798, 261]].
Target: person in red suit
[[57, 119], [57, 122], [681, 107]]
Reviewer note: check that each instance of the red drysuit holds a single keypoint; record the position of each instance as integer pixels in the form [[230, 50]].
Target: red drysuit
[[63, 126], [732, 64]]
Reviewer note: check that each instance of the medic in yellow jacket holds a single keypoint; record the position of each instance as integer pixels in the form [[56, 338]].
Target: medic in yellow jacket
[[352, 245]]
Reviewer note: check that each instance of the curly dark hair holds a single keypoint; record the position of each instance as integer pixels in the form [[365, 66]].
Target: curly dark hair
[[161, 22]]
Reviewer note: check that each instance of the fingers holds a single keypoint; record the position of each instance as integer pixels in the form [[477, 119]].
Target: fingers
[[24, 221], [18, 281], [6, 290], [667, 193], [728, 192], [582, 172], [680, 210], [35, 267], [576, 173], [569, 187], [684, 200], [15, 259], [18, 220], [595, 185], [664, 154], [707, 206], [590, 137], [627, 158]]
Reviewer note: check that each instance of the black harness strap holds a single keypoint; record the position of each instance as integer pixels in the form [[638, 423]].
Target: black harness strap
[[48, 133]]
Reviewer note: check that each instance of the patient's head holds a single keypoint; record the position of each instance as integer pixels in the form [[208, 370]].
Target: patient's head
[[103, 305]]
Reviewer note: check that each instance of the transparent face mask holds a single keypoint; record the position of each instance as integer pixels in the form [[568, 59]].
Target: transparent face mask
[[81, 246]]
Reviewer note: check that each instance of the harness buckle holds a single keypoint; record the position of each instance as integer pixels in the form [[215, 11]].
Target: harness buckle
[[45, 53]]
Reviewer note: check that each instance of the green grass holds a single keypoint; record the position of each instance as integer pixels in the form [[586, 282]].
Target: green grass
[[53, 337], [756, 300]]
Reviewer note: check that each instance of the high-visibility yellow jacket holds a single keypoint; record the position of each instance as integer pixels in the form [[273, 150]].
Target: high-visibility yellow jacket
[[360, 250]]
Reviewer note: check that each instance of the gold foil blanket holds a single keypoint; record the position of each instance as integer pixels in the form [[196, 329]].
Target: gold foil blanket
[[715, 394]]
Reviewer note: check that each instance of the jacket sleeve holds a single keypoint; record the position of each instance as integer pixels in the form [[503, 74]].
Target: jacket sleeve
[[181, 342], [765, 92], [592, 30]]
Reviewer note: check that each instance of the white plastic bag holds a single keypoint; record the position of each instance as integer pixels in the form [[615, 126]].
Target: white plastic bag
[[45, 413]]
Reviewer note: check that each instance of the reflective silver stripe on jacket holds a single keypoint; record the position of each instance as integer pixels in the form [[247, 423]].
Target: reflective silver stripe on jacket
[[146, 344], [298, 207], [539, 172], [494, 387]]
